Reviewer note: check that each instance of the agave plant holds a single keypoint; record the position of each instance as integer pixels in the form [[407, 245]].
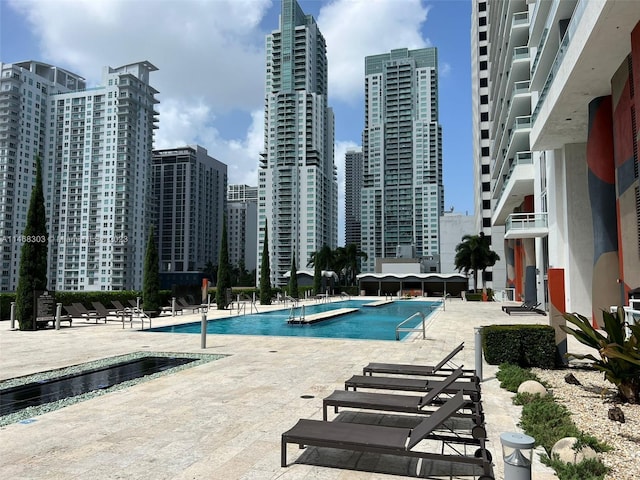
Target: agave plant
[[619, 353]]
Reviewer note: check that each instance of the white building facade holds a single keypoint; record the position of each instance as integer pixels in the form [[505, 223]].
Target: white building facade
[[403, 194], [562, 98], [242, 225], [95, 146], [297, 176], [25, 90]]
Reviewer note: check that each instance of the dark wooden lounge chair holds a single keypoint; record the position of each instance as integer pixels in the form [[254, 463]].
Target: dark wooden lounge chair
[[439, 370], [389, 440], [528, 308], [88, 314], [186, 305], [469, 386], [406, 403]]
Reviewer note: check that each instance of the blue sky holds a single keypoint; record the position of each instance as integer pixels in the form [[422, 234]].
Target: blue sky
[[210, 56]]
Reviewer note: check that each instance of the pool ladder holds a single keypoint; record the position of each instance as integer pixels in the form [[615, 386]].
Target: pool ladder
[[292, 315], [400, 327]]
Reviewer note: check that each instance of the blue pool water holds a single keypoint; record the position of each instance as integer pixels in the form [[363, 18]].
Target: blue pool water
[[370, 323]]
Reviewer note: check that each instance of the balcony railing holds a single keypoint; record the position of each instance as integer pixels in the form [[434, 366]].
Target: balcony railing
[[562, 50], [526, 225]]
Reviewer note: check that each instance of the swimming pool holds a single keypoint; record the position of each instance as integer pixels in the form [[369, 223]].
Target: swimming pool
[[368, 323]]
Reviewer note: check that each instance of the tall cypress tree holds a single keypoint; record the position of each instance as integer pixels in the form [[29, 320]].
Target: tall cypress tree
[[33, 255], [151, 281], [265, 271], [224, 270], [293, 280]]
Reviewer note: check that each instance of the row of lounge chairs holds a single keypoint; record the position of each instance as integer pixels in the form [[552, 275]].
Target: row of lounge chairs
[[119, 312], [182, 304], [447, 393]]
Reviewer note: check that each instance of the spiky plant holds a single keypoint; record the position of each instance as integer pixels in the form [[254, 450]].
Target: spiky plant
[[619, 353]]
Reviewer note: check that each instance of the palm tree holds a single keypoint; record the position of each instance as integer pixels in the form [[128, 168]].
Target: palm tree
[[474, 254], [351, 260], [320, 260]]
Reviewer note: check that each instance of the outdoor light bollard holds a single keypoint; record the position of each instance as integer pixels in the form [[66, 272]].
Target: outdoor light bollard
[[517, 453], [173, 306], [478, 347], [13, 315], [58, 313], [203, 330]]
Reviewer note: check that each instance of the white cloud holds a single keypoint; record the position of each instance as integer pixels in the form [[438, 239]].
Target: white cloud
[[210, 56], [355, 29], [194, 43], [194, 123]]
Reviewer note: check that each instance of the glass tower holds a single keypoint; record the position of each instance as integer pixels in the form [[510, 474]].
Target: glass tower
[[403, 195], [297, 180]]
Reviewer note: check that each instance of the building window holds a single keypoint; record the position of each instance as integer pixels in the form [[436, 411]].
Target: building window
[[485, 151]]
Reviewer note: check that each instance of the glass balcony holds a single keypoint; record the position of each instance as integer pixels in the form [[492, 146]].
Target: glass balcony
[[526, 225]]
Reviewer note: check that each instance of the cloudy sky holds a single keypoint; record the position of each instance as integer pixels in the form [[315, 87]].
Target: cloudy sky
[[211, 65]]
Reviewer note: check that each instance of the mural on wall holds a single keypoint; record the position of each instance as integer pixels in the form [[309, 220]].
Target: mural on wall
[[626, 106], [602, 197]]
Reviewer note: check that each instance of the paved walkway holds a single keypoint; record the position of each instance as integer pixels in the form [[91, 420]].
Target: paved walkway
[[223, 420]]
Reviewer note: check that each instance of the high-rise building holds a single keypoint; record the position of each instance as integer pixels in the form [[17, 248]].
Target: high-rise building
[[190, 191], [25, 90], [512, 108], [353, 181], [242, 225], [403, 194], [297, 178], [562, 165], [96, 147]]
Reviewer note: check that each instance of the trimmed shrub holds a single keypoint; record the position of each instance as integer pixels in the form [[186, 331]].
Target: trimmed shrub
[[523, 345], [5, 305], [511, 376]]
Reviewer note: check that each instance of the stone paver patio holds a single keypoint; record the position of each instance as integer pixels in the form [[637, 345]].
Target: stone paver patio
[[223, 420]]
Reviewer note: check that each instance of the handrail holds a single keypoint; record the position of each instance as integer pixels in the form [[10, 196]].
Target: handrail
[[400, 329]]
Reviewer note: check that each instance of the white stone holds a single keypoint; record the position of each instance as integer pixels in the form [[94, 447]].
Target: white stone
[[563, 448], [532, 387]]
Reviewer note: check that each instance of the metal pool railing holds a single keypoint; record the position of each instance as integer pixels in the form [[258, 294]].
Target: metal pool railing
[[400, 328]]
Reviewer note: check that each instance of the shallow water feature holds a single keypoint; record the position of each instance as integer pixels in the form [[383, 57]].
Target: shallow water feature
[[50, 390]]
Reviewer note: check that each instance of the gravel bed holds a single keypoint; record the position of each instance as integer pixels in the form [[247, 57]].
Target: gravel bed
[[26, 415], [589, 404]]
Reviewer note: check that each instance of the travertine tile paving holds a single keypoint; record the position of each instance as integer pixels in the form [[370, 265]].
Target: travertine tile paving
[[222, 420]]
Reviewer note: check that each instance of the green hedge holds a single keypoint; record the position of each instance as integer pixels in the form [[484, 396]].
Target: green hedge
[[523, 345], [5, 305], [477, 296]]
